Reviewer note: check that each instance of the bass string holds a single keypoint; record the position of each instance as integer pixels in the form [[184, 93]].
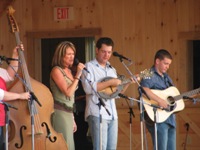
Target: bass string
[[27, 82]]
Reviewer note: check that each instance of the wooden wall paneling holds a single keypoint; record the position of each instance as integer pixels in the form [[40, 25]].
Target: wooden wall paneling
[[43, 15], [124, 131], [89, 14], [64, 33], [190, 35], [194, 19], [183, 15], [196, 10], [28, 16], [169, 13], [140, 23], [189, 115]]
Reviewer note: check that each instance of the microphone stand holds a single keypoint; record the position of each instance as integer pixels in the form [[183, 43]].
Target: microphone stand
[[142, 125], [141, 91], [155, 107], [31, 104], [32, 99], [131, 114], [187, 125], [7, 106], [101, 103], [155, 128]]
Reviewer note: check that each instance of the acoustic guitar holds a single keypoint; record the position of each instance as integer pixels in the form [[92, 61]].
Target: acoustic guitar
[[174, 99]]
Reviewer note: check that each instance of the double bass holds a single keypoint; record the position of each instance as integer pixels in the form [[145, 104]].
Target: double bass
[[30, 125]]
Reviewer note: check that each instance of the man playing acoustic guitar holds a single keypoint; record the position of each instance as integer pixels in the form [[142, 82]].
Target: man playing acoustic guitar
[[166, 130]]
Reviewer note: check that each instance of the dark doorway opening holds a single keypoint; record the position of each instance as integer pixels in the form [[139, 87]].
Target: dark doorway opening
[[48, 49], [196, 62]]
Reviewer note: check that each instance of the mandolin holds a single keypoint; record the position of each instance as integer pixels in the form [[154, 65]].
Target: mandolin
[[113, 91]]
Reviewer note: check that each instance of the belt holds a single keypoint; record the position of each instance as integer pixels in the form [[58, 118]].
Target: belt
[[63, 107]]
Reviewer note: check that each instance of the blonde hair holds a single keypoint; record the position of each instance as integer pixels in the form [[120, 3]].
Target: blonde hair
[[61, 52]]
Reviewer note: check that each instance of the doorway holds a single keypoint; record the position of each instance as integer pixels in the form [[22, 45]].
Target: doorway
[[196, 68], [48, 48], [34, 39]]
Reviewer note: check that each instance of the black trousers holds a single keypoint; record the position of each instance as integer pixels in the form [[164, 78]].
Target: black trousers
[[80, 136], [1, 138]]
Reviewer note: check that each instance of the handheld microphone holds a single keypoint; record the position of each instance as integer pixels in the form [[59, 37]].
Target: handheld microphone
[[76, 62], [120, 56], [194, 100], [186, 97], [122, 96], [4, 58], [8, 105]]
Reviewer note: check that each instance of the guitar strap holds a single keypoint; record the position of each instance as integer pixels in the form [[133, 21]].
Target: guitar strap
[[167, 81]]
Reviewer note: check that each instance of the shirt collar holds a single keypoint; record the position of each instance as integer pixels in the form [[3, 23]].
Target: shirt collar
[[155, 71], [98, 65]]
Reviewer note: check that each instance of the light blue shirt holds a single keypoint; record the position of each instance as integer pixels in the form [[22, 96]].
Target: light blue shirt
[[89, 82]]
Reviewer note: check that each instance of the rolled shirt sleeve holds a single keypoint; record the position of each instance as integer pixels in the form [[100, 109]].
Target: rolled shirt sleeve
[[4, 74], [1, 94]]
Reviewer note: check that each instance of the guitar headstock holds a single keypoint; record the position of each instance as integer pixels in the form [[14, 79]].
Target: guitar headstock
[[11, 19], [146, 74]]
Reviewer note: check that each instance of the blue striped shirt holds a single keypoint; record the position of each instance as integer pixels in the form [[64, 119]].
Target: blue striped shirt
[[89, 82]]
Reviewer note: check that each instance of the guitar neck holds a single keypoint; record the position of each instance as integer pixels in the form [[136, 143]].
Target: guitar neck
[[193, 92]]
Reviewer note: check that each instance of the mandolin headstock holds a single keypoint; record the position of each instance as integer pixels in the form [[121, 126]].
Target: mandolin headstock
[[11, 19], [146, 74]]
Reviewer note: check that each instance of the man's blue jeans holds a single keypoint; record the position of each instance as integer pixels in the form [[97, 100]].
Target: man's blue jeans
[[166, 135], [109, 133]]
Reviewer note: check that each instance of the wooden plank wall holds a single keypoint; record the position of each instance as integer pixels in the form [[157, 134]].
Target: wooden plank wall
[[138, 27]]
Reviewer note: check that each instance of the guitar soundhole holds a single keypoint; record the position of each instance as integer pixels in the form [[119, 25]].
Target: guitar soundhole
[[170, 100], [171, 103]]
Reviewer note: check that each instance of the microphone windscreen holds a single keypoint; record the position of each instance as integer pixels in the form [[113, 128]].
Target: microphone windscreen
[[115, 54], [76, 61]]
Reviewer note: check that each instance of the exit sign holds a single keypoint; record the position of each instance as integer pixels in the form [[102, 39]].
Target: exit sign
[[63, 13]]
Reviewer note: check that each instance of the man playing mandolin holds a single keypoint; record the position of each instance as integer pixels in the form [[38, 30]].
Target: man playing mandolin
[[100, 68]]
